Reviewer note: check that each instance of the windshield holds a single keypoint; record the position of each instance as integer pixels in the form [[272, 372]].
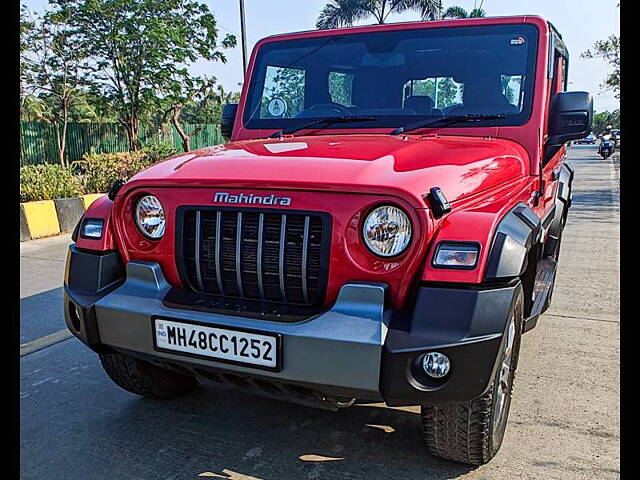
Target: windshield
[[395, 77]]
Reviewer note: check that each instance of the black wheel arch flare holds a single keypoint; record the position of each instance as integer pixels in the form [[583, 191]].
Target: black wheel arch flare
[[513, 237]]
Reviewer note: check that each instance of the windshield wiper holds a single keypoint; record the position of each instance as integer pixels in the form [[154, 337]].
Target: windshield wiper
[[324, 122], [447, 120]]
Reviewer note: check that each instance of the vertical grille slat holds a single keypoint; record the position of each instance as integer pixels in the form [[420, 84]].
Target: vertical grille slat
[[283, 237], [259, 256], [238, 251], [305, 253], [197, 252], [217, 250], [254, 254]]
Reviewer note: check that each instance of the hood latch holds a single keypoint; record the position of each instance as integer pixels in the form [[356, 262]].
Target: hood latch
[[439, 203]]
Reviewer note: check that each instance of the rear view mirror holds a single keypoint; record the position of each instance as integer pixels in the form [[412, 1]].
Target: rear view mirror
[[570, 117], [228, 117]]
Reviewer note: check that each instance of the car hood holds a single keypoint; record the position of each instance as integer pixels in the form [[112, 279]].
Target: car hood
[[407, 166]]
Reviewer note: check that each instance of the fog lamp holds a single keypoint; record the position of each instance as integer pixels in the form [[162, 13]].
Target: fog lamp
[[92, 228], [435, 364]]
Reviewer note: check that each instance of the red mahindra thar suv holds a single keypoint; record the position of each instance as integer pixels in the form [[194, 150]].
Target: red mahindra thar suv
[[383, 226]]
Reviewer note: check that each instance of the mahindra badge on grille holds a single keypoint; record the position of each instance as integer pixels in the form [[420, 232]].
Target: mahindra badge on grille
[[234, 199]]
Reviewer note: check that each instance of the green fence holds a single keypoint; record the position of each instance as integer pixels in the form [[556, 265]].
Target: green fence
[[38, 139]]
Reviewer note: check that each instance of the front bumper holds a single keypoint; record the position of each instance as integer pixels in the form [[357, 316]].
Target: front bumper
[[359, 348]]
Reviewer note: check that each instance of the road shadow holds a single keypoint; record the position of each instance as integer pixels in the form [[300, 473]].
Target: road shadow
[[41, 314], [270, 439], [76, 423]]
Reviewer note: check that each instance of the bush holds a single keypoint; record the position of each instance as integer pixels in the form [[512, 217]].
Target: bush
[[159, 151], [100, 170], [47, 182]]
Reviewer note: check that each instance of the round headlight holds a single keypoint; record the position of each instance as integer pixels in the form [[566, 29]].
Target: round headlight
[[150, 217], [387, 231]]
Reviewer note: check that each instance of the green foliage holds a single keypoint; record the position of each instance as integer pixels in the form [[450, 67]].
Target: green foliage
[[608, 50], [602, 119], [344, 13], [47, 182], [100, 170], [121, 61], [51, 58], [159, 151], [93, 174], [141, 47], [285, 83], [448, 90], [456, 12], [459, 12], [341, 87]]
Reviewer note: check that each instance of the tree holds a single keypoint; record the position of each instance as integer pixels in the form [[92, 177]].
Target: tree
[[287, 84], [609, 50], [602, 120], [459, 12], [445, 96], [141, 47], [192, 91], [344, 13], [26, 28], [198, 101], [51, 62]]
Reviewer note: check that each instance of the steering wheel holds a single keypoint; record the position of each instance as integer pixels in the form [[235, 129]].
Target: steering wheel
[[331, 107]]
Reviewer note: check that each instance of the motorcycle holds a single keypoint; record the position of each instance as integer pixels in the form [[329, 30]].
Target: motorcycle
[[606, 146]]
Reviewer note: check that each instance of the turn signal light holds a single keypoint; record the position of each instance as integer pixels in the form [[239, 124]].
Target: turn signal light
[[457, 255]]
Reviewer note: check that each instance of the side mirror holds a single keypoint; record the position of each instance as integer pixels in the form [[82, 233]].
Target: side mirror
[[570, 117], [228, 117]]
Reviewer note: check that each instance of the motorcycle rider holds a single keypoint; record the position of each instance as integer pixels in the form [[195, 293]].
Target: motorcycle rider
[[612, 136], [608, 140]]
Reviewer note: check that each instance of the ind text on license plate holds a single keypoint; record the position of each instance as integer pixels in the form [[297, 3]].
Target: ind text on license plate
[[217, 343]]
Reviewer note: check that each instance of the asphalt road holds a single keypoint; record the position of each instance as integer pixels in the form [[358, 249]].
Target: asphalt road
[[565, 415]]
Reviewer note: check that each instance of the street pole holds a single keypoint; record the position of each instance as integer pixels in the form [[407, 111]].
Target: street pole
[[243, 34]]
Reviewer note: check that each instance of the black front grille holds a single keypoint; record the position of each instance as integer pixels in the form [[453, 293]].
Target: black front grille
[[253, 254]]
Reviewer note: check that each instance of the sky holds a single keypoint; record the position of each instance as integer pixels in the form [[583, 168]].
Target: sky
[[581, 23]]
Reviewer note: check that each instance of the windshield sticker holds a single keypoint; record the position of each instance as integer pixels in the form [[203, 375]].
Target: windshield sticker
[[517, 41], [277, 107]]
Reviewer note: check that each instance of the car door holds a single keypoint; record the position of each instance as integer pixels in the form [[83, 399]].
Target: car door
[[551, 166]]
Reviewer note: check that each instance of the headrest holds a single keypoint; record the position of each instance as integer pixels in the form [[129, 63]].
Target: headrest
[[421, 104]]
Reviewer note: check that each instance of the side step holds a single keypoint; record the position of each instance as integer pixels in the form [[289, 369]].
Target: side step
[[546, 274]]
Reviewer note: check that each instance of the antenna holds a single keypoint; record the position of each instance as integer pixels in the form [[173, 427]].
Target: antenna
[[243, 39]]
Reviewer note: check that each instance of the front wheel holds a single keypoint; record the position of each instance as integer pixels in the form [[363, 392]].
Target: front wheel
[[472, 432]]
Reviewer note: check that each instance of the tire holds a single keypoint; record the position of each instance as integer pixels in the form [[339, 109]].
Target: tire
[[472, 432], [145, 379]]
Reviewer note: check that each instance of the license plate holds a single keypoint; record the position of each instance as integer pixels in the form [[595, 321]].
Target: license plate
[[227, 345]]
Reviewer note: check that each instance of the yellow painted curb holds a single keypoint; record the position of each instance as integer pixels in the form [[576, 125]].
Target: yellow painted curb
[[41, 218], [88, 199]]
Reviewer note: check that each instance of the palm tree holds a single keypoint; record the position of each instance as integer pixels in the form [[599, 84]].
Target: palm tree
[[459, 12], [343, 13]]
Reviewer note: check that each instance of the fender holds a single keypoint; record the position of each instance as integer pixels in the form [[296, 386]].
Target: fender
[[514, 235], [563, 203], [565, 183], [505, 233], [101, 208]]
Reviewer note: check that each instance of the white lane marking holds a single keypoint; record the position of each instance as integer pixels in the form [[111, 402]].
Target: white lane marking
[[43, 342], [48, 379]]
